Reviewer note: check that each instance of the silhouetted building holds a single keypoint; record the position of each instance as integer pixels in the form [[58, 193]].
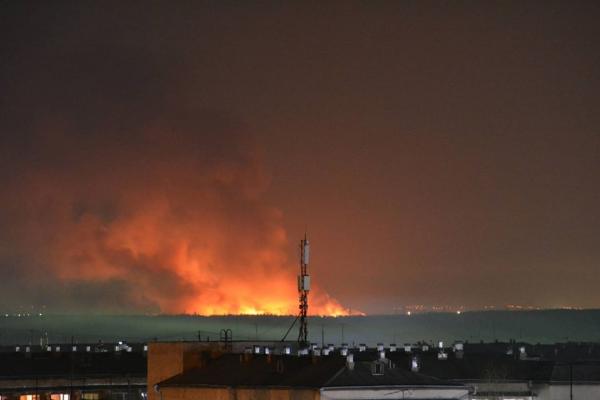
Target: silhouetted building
[[57, 374], [279, 376]]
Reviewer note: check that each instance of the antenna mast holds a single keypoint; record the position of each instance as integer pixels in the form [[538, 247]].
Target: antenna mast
[[303, 288]]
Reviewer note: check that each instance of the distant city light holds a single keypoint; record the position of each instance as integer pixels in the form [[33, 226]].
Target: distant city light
[[408, 313], [458, 312]]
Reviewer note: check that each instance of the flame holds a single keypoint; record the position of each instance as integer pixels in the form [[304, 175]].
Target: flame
[[215, 274], [152, 221], [149, 202]]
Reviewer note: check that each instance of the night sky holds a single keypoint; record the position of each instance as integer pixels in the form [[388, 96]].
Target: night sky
[[168, 156]]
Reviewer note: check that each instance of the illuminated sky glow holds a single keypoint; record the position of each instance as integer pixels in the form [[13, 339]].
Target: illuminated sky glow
[[160, 157]]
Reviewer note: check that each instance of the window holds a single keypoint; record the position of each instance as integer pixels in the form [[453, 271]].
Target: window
[[59, 396], [29, 397], [90, 396]]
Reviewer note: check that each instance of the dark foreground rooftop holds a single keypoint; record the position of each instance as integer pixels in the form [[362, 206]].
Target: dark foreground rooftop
[[41, 365], [231, 370]]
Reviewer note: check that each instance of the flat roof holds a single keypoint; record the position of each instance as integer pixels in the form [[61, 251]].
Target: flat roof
[[285, 371]]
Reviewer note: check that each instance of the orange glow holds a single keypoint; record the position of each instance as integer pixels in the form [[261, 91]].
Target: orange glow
[[177, 228], [213, 274]]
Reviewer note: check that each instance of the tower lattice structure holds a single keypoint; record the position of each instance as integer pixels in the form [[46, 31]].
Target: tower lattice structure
[[303, 289]]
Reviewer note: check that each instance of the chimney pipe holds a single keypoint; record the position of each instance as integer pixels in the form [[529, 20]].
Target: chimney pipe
[[350, 361], [414, 364]]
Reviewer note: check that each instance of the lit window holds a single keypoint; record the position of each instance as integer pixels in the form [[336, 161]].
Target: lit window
[[59, 396], [90, 396], [29, 397]]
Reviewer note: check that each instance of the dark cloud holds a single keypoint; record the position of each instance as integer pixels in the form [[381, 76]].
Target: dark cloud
[[119, 194]]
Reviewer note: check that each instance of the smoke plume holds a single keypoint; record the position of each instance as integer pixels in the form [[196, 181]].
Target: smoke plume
[[120, 193]]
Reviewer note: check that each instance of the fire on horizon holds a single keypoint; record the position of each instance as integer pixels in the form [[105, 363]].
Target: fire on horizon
[[161, 158]]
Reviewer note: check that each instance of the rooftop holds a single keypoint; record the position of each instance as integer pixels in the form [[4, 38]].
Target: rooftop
[[232, 370], [39, 365]]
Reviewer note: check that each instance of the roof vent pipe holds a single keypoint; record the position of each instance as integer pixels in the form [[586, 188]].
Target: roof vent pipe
[[414, 364], [522, 353], [350, 361], [303, 352]]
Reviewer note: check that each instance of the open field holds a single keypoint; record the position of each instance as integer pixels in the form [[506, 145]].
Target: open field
[[532, 326]]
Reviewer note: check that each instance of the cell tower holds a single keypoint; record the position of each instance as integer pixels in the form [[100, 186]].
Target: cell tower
[[303, 288]]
